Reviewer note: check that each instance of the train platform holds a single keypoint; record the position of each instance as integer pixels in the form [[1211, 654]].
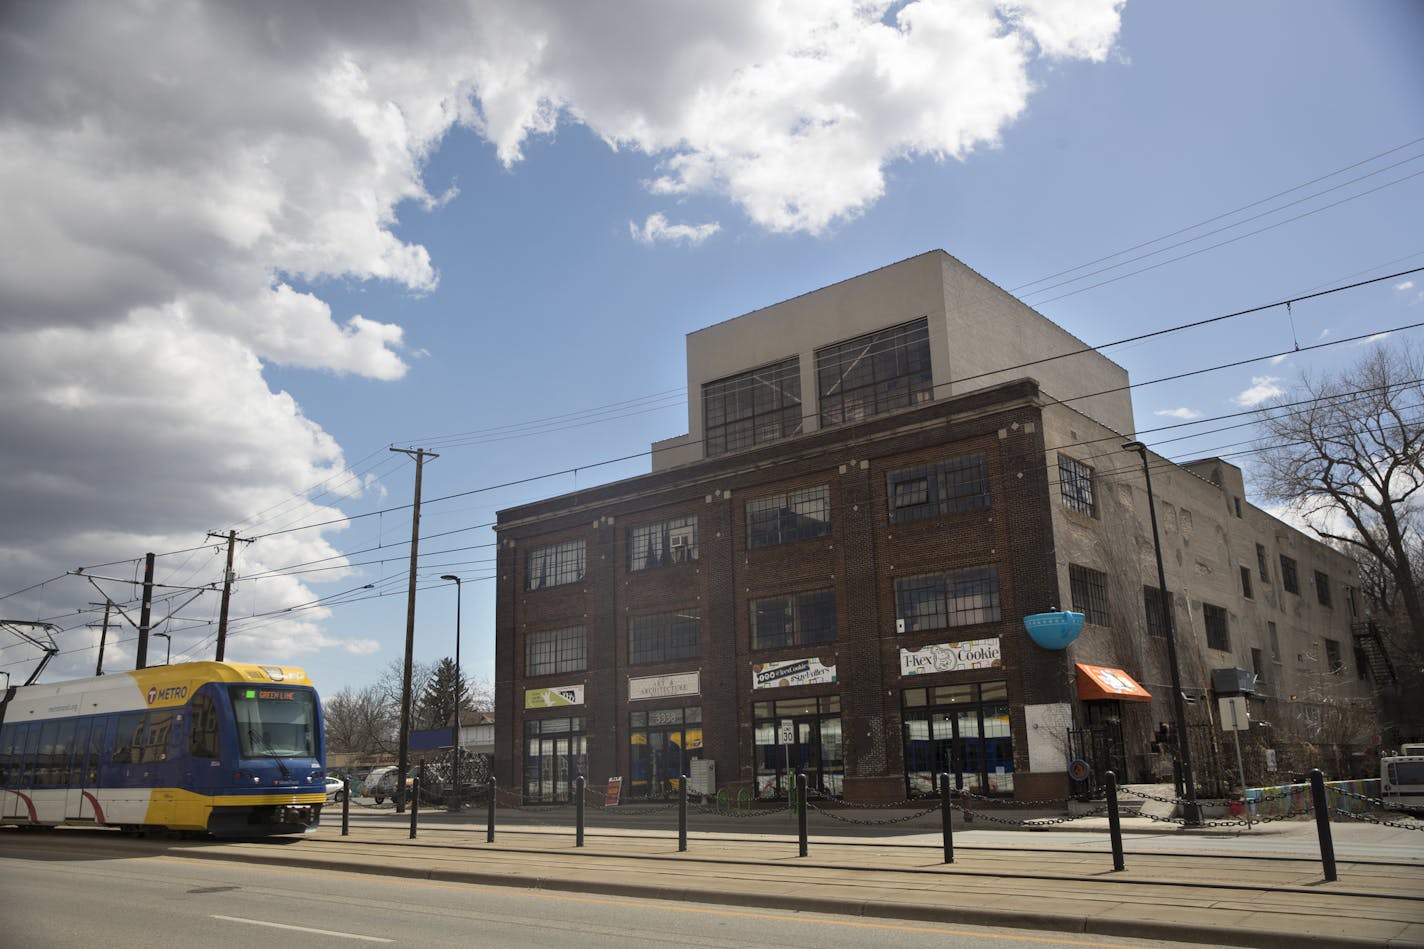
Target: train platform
[[1269, 890]]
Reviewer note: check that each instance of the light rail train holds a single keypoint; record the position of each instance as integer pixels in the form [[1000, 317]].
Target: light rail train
[[218, 748]]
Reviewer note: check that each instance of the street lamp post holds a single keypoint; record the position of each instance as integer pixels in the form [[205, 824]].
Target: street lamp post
[[1179, 709], [455, 769], [168, 642]]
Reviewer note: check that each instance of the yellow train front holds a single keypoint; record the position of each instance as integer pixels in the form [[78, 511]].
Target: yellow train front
[[228, 749]]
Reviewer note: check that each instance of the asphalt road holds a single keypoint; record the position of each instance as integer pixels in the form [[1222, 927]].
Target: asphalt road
[[60, 893]]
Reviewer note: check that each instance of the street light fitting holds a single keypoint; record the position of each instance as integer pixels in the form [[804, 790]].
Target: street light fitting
[[1134, 446]]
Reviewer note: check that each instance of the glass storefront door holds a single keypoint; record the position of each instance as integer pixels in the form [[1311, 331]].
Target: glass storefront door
[[555, 754], [962, 730], [662, 744], [794, 735]]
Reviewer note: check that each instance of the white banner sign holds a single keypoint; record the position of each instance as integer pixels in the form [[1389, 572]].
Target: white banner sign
[[770, 675], [951, 657], [662, 687]]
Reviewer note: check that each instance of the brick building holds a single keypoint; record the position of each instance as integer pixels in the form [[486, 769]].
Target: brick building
[[831, 570]]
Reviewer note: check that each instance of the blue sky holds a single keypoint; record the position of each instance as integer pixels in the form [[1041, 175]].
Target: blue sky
[[250, 249]]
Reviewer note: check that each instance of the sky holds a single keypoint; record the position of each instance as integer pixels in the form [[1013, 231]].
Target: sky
[[250, 249]]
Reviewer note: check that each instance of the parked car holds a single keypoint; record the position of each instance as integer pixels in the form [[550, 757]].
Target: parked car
[[381, 783], [335, 788]]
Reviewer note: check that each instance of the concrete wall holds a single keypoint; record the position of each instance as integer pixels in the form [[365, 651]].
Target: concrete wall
[[980, 336], [1205, 545]]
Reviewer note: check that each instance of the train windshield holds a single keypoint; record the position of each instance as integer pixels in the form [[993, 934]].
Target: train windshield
[[275, 722]]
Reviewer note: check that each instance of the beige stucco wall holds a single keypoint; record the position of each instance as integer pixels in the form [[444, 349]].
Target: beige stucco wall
[[1204, 546], [974, 328]]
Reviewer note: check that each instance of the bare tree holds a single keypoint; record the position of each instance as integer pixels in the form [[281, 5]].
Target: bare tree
[[360, 721], [1346, 452]]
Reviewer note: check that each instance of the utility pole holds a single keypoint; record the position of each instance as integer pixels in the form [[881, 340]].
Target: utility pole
[[232, 540], [420, 456], [103, 635], [146, 614]]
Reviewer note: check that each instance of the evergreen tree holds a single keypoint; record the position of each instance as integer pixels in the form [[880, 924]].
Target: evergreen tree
[[436, 705]]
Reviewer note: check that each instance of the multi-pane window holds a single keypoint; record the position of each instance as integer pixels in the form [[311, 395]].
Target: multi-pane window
[[1214, 618], [555, 564], [942, 600], [553, 651], [1152, 608], [1246, 582], [761, 405], [1362, 662], [946, 487], [1322, 588], [1333, 661], [1075, 481], [796, 620], [1290, 579], [1261, 567], [665, 542], [1350, 602], [665, 636], [1258, 666], [875, 373], [783, 518], [1090, 593]]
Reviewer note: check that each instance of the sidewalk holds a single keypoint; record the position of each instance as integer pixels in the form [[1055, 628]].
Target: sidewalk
[[1255, 900]]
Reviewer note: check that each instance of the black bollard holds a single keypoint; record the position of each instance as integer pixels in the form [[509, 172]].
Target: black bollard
[[414, 805], [578, 810], [801, 812], [489, 818], [1322, 823], [345, 807], [944, 816], [682, 814], [1114, 821]]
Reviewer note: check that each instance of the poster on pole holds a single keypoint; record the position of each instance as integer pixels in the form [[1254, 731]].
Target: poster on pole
[[613, 792]]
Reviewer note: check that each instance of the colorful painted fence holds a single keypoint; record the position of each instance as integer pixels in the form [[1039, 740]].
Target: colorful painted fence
[[1285, 800]]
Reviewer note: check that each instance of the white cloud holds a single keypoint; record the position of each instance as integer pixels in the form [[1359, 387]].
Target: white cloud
[[793, 110], [656, 228], [1263, 389], [1404, 286], [1184, 414]]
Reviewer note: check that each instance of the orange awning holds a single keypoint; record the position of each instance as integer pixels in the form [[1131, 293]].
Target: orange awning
[[1101, 682]]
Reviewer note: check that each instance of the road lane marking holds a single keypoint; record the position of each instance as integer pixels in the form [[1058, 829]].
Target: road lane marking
[[302, 929]]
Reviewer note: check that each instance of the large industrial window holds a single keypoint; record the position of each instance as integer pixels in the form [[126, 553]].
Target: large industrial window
[[942, 600], [1090, 594], [665, 542], [795, 620], [552, 651], [762, 405], [1322, 588], [1214, 618], [1333, 660], [1264, 570], [1075, 482], [947, 487], [555, 564], [1152, 607], [1246, 582], [875, 373], [783, 518], [665, 636], [1290, 579]]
